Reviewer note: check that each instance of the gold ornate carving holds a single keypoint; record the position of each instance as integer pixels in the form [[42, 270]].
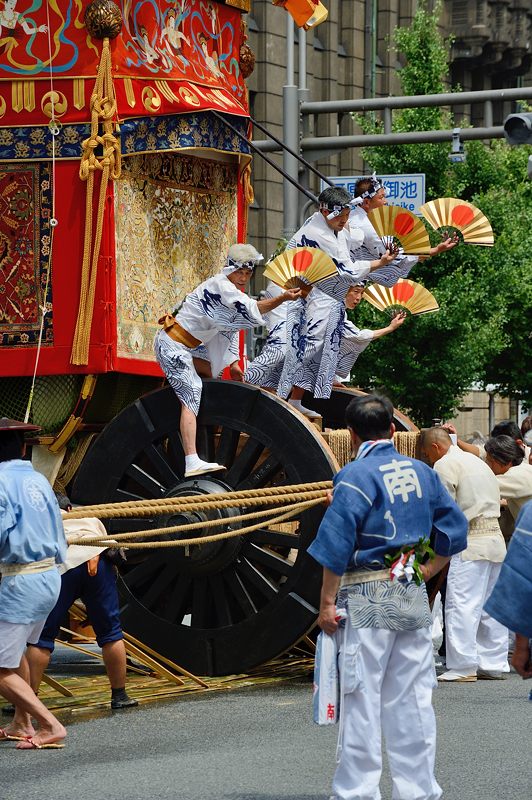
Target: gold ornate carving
[[54, 104], [130, 94], [3, 106], [103, 19], [151, 99], [79, 93], [29, 95], [165, 89], [189, 96], [17, 96]]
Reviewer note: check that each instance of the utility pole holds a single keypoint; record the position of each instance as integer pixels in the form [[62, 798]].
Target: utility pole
[[290, 135]]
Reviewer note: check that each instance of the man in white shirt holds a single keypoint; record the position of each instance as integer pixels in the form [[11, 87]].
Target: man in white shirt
[[476, 644], [505, 458]]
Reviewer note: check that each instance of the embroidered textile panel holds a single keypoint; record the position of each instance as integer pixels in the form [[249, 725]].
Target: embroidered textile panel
[[25, 212], [175, 218], [139, 135]]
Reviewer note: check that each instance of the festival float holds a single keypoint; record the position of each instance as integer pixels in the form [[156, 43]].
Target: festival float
[[125, 174]]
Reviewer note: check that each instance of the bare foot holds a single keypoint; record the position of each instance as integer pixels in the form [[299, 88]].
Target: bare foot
[[14, 732], [45, 737]]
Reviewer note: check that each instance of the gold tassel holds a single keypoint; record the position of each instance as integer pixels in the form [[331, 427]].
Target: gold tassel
[[103, 110]]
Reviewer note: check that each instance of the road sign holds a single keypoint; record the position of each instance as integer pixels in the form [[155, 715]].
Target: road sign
[[407, 191]]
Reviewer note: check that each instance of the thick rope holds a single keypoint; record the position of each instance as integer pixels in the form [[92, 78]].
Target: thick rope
[[201, 539], [103, 110], [247, 497], [192, 526]]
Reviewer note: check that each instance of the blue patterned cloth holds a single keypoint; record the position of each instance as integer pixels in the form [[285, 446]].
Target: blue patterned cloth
[[383, 501], [31, 529], [511, 600]]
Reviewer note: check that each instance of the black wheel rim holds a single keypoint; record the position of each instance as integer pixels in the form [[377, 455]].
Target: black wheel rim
[[226, 608]]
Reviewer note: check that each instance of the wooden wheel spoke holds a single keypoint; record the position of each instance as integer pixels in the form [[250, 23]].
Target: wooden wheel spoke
[[273, 561], [244, 462], [159, 586], [176, 452], [160, 463], [126, 524], [262, 474], [178, 598], [148, 568], [227, 446], [255, 576], [199, 603], [151, 485], [266, 536], [221, 605], [240, 593], [205, 442]]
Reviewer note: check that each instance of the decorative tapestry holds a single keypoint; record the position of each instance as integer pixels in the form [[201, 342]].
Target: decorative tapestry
[[175, 217], [25, 211]]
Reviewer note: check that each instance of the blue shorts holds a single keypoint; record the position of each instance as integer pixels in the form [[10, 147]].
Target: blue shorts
[[100, 596]]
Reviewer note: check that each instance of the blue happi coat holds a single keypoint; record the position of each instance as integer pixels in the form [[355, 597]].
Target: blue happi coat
[[381, 502], [31, 529], [511, 599]]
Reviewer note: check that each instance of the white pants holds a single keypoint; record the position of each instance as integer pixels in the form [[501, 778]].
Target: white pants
[[388, 679], [473, 639]]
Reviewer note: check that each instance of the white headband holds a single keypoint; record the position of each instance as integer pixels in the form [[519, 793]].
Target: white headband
[[231, 264]]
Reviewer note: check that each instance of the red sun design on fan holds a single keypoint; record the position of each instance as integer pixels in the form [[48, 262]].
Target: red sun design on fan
[[462, 216], [403, 224], [302, 261], [403, 292]]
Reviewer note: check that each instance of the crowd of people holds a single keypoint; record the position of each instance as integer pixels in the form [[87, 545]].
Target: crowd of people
[[393, 522]]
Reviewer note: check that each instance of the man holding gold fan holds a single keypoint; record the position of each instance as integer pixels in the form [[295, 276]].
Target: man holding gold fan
[[204, 331], [314, 341], [370, 195]]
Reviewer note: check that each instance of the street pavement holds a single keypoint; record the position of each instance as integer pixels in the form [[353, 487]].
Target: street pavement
[[261, 744]]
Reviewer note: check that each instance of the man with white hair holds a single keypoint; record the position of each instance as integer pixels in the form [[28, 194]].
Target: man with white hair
[[206, 327]]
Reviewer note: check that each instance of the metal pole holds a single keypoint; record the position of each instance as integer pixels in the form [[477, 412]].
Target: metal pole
[[312, 144], [290, 136], [415, 101]]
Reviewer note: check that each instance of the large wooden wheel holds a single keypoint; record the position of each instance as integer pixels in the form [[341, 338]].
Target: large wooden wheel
[[223, 607], [333, 409]]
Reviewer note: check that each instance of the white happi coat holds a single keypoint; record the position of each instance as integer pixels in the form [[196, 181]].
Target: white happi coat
[[314, 325], [372, 247], [474, 640], [265, 370], [214, 313]]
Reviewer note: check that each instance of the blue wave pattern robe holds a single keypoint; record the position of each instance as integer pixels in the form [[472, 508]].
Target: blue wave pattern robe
[[314, 325], [383, 501], [31, 529], [265, 370], [214, 313]]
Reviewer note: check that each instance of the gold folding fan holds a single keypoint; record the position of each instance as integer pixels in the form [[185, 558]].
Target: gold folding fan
[[394, 222], [465, 217], [302, 266], [405, 295]]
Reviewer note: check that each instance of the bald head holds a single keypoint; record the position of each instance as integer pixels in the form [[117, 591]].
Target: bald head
[[435, 442]]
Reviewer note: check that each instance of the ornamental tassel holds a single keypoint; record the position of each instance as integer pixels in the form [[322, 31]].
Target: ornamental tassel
[[103, 111]]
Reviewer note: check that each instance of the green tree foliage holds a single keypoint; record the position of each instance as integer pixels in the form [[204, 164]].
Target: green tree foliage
[[482, 332]]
